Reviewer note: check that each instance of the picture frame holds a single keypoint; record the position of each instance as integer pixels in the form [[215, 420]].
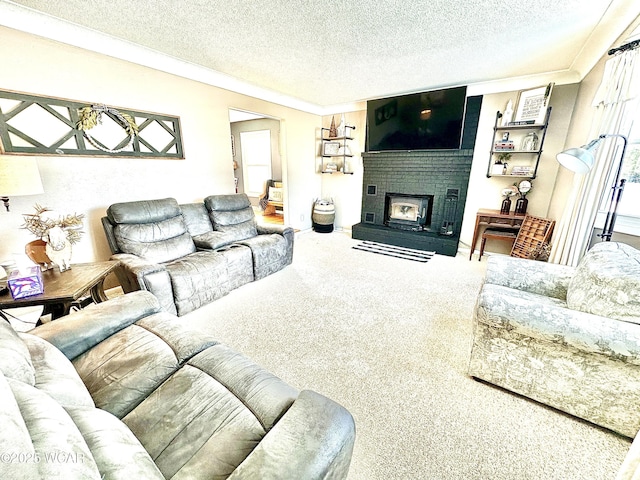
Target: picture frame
[[330, 148], [532, 106]]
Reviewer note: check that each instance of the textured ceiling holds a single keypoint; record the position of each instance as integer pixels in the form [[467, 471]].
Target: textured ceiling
[[329, 52]]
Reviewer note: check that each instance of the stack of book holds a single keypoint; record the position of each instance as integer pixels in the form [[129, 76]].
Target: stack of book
[[521, 171], [503, 145]]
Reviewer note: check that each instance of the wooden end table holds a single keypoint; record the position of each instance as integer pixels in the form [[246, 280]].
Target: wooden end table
[[61, 289]]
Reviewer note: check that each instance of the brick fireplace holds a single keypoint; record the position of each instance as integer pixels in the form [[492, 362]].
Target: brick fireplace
[[440, 175], [433, 180]]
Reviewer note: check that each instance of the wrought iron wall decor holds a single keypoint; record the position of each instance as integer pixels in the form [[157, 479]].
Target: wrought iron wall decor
[[52, 126]]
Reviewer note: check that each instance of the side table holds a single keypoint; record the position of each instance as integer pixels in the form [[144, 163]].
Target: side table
[[61, 289]]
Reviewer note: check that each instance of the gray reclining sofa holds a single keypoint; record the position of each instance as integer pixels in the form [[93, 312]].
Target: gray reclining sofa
[[192, 254], [123, 391]]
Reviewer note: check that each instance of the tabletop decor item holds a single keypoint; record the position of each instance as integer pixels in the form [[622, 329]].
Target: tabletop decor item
[[55, 235], [507, 193], [524, 187]]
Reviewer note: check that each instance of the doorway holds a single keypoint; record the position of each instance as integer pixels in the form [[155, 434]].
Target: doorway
[[257, 163]]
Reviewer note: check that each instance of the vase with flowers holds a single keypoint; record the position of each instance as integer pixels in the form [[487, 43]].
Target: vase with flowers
[[524, 187], [507, 193], [56, 233]]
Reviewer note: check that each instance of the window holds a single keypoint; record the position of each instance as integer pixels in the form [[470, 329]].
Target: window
[[628, 213], [256, 160]]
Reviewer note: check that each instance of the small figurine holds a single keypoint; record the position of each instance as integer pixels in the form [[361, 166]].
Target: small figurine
[[332, 130]]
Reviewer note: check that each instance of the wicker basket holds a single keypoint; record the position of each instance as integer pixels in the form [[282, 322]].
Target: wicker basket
[[323, 216]]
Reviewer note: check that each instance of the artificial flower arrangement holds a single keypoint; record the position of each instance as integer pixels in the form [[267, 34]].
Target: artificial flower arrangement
[[41, 223], [507, 193], [510, 191], [56, 234]]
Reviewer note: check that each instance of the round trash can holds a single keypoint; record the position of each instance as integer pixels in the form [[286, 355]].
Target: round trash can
[[323, 216]]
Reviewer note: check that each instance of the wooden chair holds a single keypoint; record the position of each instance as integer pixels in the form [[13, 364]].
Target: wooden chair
[[534, 233]]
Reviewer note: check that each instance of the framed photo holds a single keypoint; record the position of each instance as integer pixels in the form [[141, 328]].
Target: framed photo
[[330, 148], [532, 106]]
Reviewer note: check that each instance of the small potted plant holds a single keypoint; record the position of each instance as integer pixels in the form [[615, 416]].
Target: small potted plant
[[500, 165]]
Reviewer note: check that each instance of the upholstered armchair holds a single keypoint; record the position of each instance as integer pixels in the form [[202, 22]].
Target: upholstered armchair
[[566, 337], [233, 222], [151, 240]]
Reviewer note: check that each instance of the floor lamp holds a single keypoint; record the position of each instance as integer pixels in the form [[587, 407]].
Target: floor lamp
[[581, 160]]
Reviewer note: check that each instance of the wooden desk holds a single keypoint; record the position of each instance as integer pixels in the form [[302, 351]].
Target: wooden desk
[[61, 289], [488, 218]]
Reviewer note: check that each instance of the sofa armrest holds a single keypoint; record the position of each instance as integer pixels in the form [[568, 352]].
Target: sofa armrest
[[78, 332], [630, 469], [214, 240], [549, 320], [547, 279], [287, 232], [272, 228], [132, 271], [313, 440]]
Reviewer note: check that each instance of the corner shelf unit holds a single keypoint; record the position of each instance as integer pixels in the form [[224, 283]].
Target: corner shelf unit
[[336, 162], [529, 157]]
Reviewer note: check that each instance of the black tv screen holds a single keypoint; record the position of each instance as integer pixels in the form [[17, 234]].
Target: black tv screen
[[418, 121]]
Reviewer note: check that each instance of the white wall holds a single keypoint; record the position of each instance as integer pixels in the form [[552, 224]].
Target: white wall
[[89, 185], [345, 190], [485, 192]]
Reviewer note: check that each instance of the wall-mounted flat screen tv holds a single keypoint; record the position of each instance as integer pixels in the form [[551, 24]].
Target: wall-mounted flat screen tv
[[418, 121]]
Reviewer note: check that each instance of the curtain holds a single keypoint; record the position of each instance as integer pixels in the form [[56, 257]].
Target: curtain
[[620, 85]]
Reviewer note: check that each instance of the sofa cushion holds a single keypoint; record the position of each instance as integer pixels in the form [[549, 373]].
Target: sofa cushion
[[56, 439], [269, 254], [118, 454], [143, 211], [198, 279], [55, 374], [607, 282], [151, 229], [15, 360], [14, 437], [122, 370], [157, 242], [233, 215], [220, 404], [197, 218]]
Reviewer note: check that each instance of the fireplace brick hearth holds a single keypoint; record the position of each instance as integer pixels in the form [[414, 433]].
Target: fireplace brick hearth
[[442, 174]]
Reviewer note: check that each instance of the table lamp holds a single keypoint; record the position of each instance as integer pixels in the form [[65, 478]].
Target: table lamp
[[18, 176]]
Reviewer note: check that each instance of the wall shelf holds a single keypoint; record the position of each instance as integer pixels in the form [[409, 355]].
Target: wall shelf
[[524, 162], [336, 162]]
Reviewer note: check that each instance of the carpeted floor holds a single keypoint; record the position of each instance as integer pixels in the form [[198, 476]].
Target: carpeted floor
[[389, 339]]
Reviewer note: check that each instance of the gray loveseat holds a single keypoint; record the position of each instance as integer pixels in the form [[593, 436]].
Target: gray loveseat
[[121, 390], [192, 254]]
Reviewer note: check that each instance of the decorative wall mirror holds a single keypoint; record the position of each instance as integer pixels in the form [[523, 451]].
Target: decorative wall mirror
[[52, 126]]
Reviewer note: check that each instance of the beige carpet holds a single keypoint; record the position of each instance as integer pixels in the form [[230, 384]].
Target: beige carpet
[[389, 339]]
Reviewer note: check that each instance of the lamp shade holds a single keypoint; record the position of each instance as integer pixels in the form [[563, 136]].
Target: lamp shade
[[19, 176], [579, 160]]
